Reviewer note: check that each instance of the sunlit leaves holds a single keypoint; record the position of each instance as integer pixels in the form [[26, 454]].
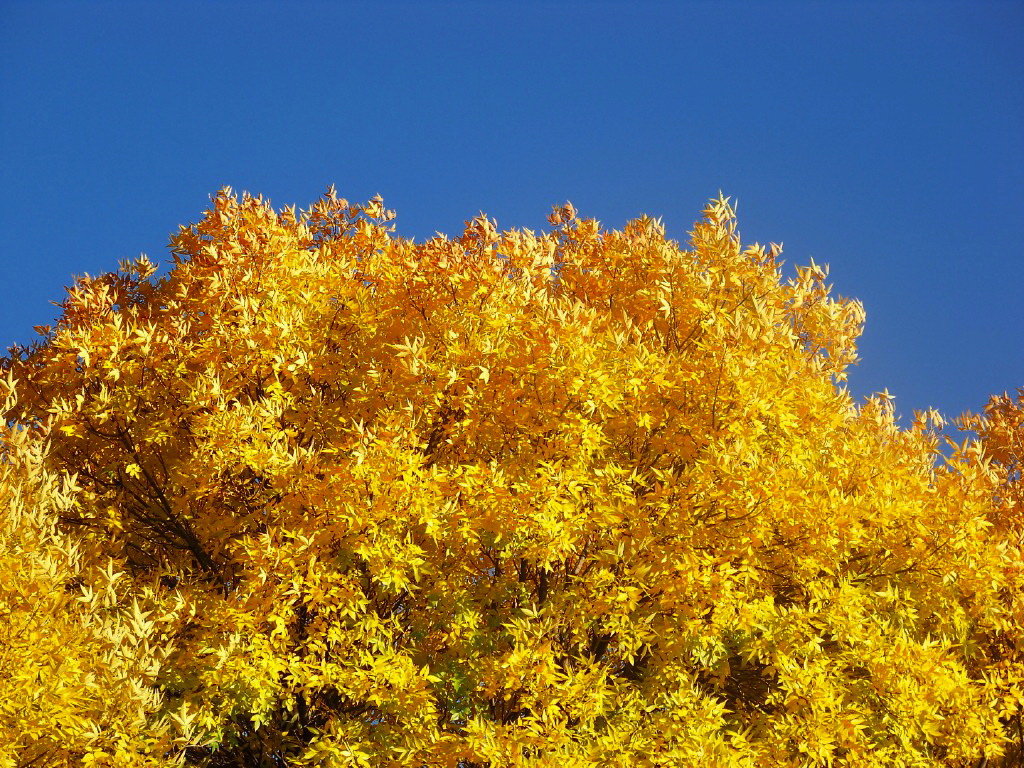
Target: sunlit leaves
[[321, 495]]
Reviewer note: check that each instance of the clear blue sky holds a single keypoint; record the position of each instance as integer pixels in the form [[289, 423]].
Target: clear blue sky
[[885, 139]]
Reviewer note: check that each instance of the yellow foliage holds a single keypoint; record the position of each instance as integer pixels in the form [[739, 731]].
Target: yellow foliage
[[323, 496]]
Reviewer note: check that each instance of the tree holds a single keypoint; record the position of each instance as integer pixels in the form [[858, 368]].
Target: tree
[[324, 496]]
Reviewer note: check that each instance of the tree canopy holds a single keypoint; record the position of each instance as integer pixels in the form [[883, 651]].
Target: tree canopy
[[323, 496]]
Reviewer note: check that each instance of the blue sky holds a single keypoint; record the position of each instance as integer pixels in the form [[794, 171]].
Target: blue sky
[[884, 139]]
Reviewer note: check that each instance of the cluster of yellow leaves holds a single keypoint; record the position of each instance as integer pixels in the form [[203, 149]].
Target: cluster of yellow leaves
[[322, 496], [79, 656]]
